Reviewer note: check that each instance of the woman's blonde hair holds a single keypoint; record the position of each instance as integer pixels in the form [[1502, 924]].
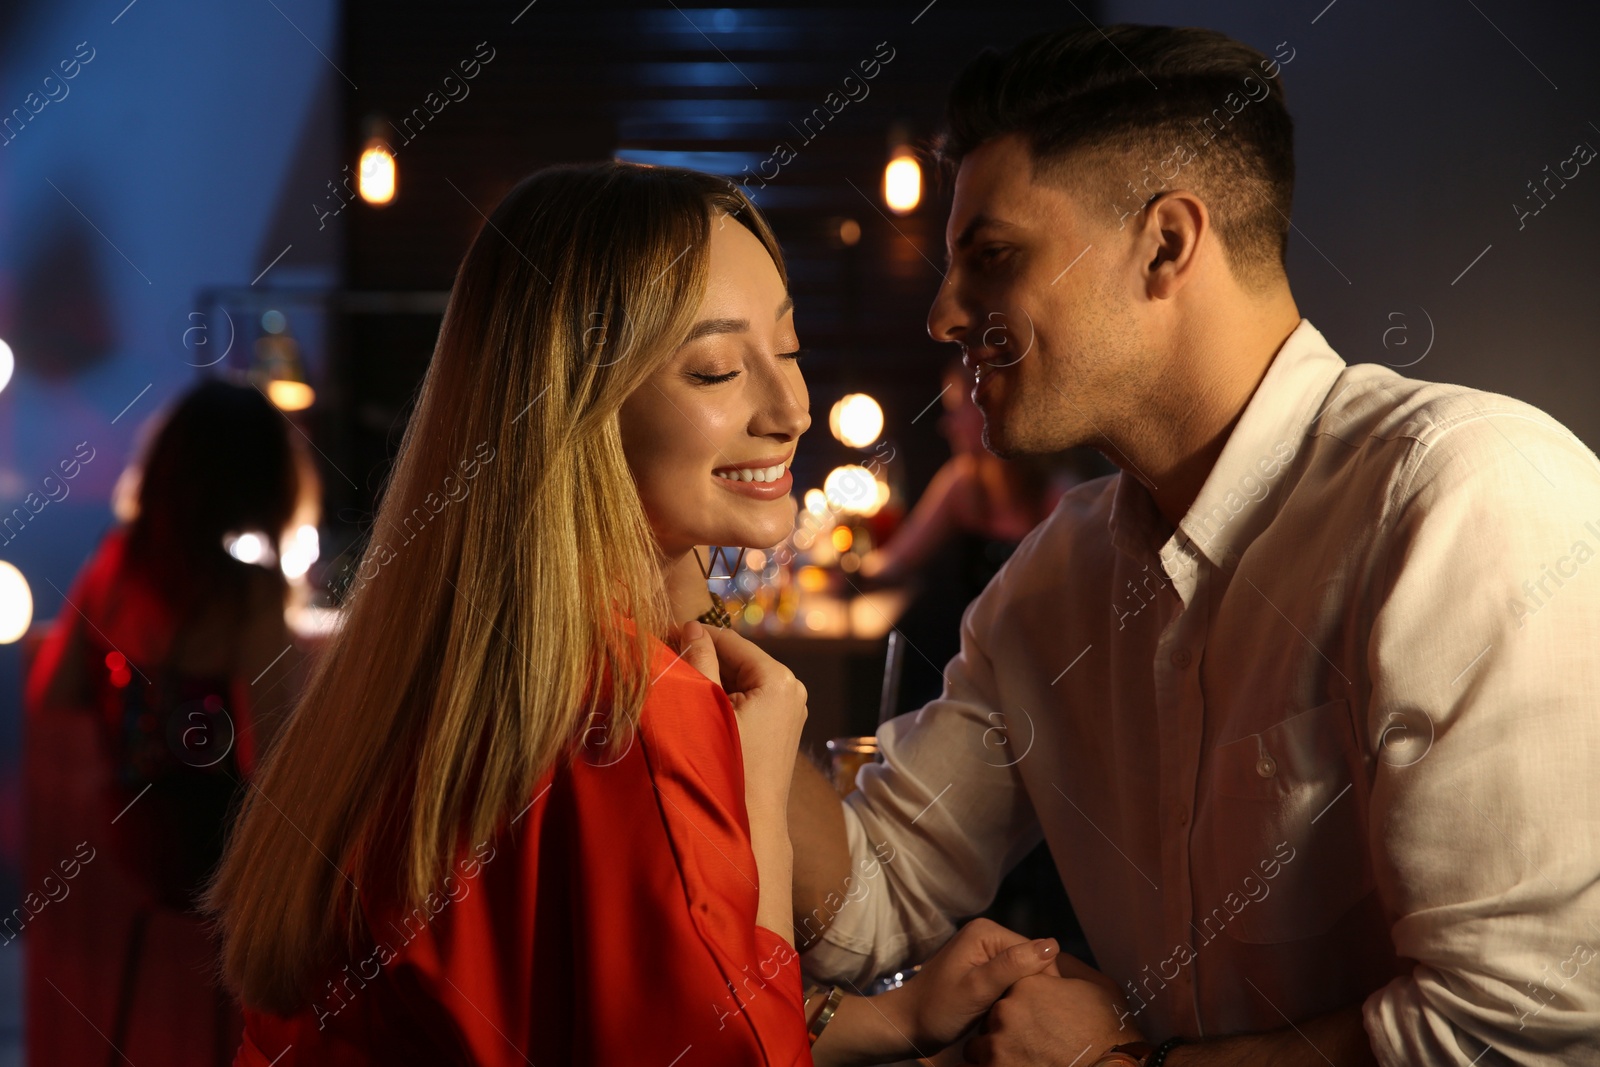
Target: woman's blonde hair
[[511, 590]]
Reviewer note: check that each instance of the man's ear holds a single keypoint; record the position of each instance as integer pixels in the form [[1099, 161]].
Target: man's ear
[[1175, 223]]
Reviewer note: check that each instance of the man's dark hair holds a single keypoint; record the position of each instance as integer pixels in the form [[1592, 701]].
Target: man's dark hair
[[1092, 104]]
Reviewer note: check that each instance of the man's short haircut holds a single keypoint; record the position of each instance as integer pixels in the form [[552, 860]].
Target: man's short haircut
[[1116, 112]]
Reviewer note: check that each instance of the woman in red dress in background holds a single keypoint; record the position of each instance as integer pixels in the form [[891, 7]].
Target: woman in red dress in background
[[166, 671], [508, 822]]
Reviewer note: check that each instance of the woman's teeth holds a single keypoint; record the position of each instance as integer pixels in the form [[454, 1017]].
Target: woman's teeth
[[751, 474]]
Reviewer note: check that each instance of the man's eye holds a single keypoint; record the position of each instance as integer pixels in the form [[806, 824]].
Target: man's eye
[[797, 355], [713, 379], [991, 254]]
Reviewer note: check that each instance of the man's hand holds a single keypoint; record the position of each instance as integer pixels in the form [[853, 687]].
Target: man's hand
[[965, 977], [1050, 1021]]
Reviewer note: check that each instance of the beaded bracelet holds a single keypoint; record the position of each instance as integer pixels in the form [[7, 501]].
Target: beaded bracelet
[[1159, 1056]]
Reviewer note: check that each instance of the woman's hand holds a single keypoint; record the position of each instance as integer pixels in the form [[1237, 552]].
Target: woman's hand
[[953, 990], [963, 980], [769, 703]]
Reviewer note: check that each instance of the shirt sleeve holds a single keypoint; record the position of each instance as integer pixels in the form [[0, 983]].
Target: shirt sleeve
[[1485, 816], [933, 827]]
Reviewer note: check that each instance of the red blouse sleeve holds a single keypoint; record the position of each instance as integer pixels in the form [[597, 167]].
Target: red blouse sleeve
[[690, 743]]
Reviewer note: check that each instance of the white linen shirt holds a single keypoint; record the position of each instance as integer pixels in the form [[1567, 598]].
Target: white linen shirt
[[1335, 739]]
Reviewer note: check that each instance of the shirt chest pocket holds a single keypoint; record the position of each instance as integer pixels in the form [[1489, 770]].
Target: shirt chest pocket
[[1288, 815]]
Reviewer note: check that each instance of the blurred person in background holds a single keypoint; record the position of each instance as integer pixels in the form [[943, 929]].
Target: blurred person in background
[[995, 501], [975, 511], [166, 675]]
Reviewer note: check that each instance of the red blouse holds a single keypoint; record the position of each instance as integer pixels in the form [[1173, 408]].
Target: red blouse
[[612, 922]]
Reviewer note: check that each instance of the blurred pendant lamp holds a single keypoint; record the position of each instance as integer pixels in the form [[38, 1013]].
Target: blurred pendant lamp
[[902, 175], [377, 176], [279, 371]]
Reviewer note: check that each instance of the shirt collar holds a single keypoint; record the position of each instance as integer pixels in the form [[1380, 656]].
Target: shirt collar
[[1232, 506]]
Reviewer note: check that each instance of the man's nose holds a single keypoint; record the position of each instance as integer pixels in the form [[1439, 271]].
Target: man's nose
[[946, 320]]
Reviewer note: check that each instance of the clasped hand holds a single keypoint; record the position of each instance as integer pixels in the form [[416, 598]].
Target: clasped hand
[[1037, 1006]]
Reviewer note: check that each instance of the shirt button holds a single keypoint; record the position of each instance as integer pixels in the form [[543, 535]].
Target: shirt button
[[1180, 658], [1266, 766], [1183, 816]]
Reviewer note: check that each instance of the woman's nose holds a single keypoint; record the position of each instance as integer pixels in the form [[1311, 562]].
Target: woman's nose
[[786, 411]]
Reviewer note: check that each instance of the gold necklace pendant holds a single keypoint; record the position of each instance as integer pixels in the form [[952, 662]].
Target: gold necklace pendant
[[716, 614]]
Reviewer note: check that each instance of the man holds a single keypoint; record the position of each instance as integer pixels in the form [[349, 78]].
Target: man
[[1303, 698]]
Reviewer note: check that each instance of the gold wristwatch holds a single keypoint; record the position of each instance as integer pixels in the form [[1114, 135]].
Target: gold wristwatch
[[1132, 1054]]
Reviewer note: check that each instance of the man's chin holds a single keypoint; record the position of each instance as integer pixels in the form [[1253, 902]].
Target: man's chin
[[1011, 437], [999, 439]]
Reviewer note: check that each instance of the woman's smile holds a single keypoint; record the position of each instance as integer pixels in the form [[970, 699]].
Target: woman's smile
[[762, 479]]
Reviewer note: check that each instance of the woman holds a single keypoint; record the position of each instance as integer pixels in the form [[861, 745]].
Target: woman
[[508, 822], [175, 658]]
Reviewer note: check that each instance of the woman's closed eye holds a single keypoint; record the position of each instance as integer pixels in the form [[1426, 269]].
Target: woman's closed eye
[[714, 378], [706, 378]]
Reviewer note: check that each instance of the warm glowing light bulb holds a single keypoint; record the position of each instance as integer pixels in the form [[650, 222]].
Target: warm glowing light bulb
[[299, 551], [16, 604], [246, 548], [290, 396], [377, 178], [851, 488], [812, 579], [856, 420], [902, 184]]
